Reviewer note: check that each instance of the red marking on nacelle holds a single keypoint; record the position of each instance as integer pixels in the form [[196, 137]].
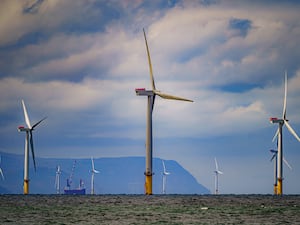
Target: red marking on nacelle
[[140, 89], [21, 127], [273, 118]]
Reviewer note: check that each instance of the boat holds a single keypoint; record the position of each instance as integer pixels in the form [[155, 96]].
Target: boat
[[77, 191]]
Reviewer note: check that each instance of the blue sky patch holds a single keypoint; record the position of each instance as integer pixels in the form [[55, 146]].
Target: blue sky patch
[[242, 25]]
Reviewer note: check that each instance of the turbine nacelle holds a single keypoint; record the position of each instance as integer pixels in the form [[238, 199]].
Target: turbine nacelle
[[273, 151], [276, 120], [58, 171], [22, 128], [143, 92], [218, 172]]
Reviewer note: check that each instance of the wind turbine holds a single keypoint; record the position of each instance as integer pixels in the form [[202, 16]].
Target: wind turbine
[[1, 171], [93, 171], [164, 181], [274, 156], [151, 98], [28, 139], [57, 179], [278, 134], [217, 172]]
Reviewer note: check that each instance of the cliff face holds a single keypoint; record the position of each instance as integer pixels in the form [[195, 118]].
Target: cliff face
[[117, 176]]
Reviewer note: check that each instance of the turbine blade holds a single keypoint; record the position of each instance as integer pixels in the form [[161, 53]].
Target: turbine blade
[[216, 163], [285, 95], [93, 168], [274, 155], [275, 135], [171, 97], [153, 100], [32, 149], [26, 115], [38, 123], [2, 175], [164, 166], [291, 130], [1, 168], [286, 163], [149, 62]]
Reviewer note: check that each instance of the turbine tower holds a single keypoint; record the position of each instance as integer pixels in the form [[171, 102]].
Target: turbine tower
[[93, 171], [217, 172], [151, 98], [164, 181], [278, 134], [28, 139], [1, 171], [57, 180]]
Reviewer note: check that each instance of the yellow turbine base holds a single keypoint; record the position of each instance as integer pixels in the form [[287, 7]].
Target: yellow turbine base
[[148, 185], [275, 189], [279, 186], [26, 187]]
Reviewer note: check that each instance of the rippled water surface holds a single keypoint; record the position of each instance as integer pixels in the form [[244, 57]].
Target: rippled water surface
[[156, 209]]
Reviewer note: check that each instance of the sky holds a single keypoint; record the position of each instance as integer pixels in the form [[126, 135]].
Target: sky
[[78, 62]]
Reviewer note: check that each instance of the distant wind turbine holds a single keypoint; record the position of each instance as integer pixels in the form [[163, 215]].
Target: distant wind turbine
[[278, 134], [274, 156], [217, 172], [164, 181], [1, 171], [151, 98], [28, 139], [93, 171], [57, 179]]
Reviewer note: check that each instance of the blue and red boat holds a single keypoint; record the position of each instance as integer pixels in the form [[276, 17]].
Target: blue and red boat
[[77, 191]]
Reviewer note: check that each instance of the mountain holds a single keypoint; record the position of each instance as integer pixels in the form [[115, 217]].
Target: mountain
[[117, 176]]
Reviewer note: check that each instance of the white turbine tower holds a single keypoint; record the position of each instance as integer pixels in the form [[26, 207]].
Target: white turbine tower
[[57, 179], [1, 171], [151, 98], [217, 172], [274, 157], [93, 171], [278, 134], [164, 181], [28, 139]]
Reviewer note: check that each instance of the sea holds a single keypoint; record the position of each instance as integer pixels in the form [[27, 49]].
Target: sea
[[149, 209]]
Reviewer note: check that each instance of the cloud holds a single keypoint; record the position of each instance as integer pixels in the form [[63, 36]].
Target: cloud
[[29, 18], [86, 73], [201, 40]]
